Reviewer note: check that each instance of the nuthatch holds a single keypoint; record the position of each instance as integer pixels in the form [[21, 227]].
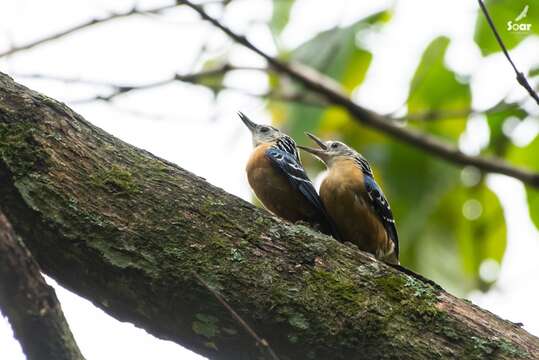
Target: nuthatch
[[277, 177], [355, 202]]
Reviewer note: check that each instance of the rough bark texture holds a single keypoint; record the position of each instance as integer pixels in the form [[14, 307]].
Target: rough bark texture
[[30, 304], [127, 230]]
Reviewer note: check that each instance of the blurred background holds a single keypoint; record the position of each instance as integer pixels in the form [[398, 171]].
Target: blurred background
[[156, 76]]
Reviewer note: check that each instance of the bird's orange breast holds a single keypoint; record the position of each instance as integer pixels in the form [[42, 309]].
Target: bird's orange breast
[[274, 190], [344, 196]]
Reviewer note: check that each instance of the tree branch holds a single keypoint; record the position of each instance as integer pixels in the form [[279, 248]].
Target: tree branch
[[317, 83], [194, 78], [521, 78], [128, 230], [85, 25], [30, 304]]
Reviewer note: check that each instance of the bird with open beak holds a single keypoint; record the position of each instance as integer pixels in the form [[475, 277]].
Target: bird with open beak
[[354, 200], [278, 179]]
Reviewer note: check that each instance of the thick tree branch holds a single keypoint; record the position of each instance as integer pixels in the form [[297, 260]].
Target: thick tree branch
[[128, 230], [85, 25], [521, 78], [320, 84], [30, 304]]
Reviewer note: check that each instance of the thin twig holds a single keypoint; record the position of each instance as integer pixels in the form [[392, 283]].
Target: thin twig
[[259, 341], [320, 84], [133, 11], [521, 78], [120, 89]]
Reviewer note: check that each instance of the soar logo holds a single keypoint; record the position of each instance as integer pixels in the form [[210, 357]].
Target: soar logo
[[518, 26]]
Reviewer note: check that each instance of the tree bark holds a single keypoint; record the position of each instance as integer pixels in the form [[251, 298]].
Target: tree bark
[[30, 304], [128, 231]]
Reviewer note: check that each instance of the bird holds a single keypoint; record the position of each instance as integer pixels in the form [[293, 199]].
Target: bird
[[354, 200], [278, 179]]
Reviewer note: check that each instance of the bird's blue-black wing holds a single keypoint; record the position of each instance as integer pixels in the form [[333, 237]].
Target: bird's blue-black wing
[[291, 168], [382, 209]]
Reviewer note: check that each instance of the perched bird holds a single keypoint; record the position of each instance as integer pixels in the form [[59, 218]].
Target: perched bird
[[277, 177], [355, 202]]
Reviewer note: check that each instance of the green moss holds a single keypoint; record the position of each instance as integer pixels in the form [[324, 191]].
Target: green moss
[[449, 332], [483, 348], [206, 325], [293, 338], [230, 331], [419, 301], [211, 345], [391, 285], [479, 348], [506, 347], [298, 321], [330, 284], [236, 255], [116, 180], [19, 149]]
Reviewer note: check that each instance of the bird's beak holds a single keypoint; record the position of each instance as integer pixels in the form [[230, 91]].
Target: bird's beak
[[250, 125], [321, 153]]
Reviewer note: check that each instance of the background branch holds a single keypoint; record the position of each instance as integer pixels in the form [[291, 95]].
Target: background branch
[[194, 78], [30, 304], [318, 83], [85, 25]]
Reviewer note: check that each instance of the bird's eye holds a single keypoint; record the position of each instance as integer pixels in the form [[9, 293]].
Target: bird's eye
[[264, 129], [334, 145]]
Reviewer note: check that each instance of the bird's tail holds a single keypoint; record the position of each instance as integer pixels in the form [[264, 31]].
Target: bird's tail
[[329, 226], [415, 275]]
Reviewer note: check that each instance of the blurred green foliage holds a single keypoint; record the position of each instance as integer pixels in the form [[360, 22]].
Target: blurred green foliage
[[528, 156], [449, 221], [451, 225], [435, 88]]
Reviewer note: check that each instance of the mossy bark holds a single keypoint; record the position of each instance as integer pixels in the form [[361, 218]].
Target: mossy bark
[[127, 230]]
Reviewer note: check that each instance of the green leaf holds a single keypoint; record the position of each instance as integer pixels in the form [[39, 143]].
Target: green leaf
[[435, 88], [335, 53], [213, 82], [206, 325], [533, 204], [483, 237], [280, 15], [496, 117], [467, 229], [298, 321], [527, 158], [502, 12]]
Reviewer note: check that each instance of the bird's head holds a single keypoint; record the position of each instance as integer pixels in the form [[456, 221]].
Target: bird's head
[[262, 134], [330, 151]]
